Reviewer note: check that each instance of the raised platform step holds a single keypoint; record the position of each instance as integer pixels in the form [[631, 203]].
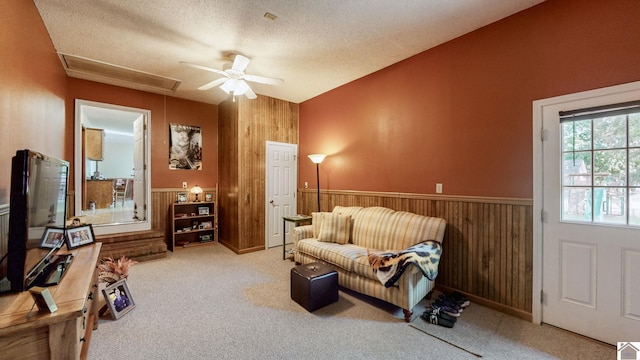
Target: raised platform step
[[139, 245]]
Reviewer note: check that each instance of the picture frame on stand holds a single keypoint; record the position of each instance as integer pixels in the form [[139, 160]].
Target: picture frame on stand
[[52, 237], [118, 299], [79, 236]]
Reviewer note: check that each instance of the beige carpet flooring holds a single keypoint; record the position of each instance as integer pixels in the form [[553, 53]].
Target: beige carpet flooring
[[209, 303]]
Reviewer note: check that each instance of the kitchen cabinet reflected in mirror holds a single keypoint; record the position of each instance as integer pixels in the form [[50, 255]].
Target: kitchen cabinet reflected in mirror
[[113, 182]]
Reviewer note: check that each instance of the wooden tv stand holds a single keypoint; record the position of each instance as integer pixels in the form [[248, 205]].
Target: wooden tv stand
[[26, 332]]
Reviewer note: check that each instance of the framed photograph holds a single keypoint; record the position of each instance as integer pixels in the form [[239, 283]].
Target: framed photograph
[[52, 237], [182, 197], [119, 299], [80, 236], [203, 210], [208, 197]]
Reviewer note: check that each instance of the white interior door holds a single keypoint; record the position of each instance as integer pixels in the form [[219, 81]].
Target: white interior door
[[138, 169], [590, 269], [282, 177]]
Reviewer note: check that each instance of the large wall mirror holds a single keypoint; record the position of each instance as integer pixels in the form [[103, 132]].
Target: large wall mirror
[[112, 167]]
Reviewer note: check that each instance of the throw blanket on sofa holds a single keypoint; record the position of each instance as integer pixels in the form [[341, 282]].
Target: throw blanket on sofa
[[389, 266]]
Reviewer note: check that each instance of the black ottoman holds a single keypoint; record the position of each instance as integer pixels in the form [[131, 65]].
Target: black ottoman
[[314, 285]]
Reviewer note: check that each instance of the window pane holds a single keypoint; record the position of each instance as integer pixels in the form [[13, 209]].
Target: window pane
[[634, 206], [601, 170], [576, 204], [610, 167], [612, 208], [634, 167], [577, 168], [610, 132], [576, 135], [634, 129]]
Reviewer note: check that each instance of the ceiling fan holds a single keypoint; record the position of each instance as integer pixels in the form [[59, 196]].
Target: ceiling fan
[[234, 80]]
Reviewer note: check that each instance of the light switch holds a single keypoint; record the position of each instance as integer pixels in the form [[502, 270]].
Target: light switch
[[438, 188]]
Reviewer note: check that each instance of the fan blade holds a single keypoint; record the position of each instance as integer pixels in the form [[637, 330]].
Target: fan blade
[[263, 80], [204, 68], [250, 94], [240, 63], [213, 83]]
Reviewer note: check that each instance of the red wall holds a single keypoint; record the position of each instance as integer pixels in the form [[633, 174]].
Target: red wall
[[32, 89], [175, 110], [461, 113]]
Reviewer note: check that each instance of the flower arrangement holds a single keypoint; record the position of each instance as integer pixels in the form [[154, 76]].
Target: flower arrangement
[[111, 271]]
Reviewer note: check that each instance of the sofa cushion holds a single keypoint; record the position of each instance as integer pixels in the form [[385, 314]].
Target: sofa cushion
[[316, 222], [361, 267], [333, 253], [335, 228], [348, 210], [385, 229]]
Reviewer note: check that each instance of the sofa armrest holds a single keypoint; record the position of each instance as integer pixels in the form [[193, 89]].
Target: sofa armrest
[[302, 232], [414, 285]]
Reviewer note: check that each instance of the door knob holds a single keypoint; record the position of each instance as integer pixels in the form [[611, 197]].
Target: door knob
[[271, 202]]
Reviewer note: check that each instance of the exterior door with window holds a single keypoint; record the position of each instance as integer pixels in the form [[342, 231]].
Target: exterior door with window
[[591, 221]]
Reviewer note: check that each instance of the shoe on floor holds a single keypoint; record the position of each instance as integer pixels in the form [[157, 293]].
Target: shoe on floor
[[462, 302], [445, 309], [449, 304], [437, 320], [461, 298], [442, 314]]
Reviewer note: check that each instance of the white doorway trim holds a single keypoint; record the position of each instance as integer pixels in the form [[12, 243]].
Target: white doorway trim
[[538, 185], [115, 228]]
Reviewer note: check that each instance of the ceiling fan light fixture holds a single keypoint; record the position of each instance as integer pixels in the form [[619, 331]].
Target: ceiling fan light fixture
[[237, 87], [235, 80], [228, 86], [241, 87]]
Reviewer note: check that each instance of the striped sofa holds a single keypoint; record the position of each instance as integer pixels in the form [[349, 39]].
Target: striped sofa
[[342, 237]]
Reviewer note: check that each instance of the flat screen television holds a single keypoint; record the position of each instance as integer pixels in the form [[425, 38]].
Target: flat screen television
[[38, 199]]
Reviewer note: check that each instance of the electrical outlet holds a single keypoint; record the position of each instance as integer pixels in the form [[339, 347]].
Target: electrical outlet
[[438, 188], [184, 184], [306, 184]]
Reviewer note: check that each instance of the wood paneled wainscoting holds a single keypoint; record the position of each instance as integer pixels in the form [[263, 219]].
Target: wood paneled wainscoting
[[133, 244], [487, 249]]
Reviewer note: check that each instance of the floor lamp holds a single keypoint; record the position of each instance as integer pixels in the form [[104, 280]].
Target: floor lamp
[[317, 159]]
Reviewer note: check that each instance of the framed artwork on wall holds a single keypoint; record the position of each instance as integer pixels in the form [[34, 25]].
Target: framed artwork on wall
[[185, 147]]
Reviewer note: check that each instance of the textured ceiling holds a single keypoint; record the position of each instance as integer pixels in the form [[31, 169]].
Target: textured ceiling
[[314, 46]]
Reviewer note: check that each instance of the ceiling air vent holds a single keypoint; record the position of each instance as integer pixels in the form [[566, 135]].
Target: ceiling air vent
[[88, 69]]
